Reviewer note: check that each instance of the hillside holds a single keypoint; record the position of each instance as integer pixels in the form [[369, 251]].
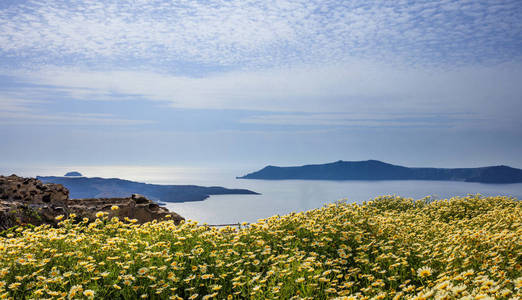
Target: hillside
[[30, 201], [391, 248], [377, 170], [95, 187]]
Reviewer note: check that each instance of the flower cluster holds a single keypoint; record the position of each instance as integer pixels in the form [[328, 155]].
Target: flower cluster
[[388, 248]]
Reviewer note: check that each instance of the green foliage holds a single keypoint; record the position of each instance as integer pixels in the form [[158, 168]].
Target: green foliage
[[388, 248]]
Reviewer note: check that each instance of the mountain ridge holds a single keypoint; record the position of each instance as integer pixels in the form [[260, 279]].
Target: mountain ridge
[[378, 170], [97, 187]]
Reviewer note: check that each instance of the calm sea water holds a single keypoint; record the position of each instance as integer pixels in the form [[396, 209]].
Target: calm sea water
[[277, 197], [282, 197]]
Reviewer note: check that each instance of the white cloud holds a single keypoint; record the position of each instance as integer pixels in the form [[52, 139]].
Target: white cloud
[[259, 33], [16, 105], [487, 93], [25, 112]]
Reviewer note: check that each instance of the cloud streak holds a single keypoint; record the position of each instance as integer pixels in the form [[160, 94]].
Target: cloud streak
[[30, 112], [376, 120], [360, 88]]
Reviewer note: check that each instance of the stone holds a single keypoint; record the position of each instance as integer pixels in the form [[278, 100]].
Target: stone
[[139, 199]]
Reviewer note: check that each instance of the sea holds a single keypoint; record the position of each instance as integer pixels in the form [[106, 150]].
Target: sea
[[277, 197]]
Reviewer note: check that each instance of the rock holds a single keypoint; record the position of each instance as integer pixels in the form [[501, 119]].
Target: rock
[[29, 201], [32, 192], [141, 209], [140, 199]]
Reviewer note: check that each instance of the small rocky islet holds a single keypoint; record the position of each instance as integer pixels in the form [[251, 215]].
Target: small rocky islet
[[73, 174]]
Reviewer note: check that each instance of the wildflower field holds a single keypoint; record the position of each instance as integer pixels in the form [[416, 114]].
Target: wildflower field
[[389, 248]]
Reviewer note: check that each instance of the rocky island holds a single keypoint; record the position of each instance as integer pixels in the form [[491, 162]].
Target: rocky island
[[73, 174], [30, 201], [378, 170]]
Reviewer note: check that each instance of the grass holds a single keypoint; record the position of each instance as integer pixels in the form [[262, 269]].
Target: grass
[[389, 248]]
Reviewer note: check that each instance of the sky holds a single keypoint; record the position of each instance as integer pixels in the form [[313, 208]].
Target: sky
[[229, 83]]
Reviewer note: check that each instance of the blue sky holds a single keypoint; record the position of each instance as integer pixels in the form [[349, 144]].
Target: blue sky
[[145, 82]]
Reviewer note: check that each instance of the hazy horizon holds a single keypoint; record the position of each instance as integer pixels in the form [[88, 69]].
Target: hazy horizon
[[247, 84], [207, 175]]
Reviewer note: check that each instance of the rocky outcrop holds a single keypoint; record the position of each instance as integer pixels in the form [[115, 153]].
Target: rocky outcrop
[[29, 201], [136, 207]]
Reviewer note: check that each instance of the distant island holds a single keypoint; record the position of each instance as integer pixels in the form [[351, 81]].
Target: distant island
[[95, 187], [378, 170], [73, 174]]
